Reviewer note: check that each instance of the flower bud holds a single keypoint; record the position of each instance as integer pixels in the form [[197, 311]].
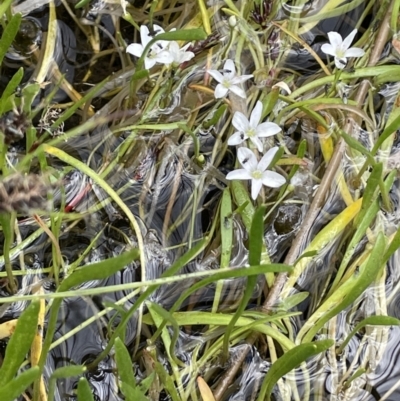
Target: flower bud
[[232, 21]]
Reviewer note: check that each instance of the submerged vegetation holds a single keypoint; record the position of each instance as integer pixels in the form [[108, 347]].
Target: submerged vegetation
[[199, 200]]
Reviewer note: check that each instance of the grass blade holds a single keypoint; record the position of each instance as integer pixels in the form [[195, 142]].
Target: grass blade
[[20, 343]]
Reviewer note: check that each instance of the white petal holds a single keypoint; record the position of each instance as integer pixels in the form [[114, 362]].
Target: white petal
[[272, 179], [238, 91], [335, 39], [247, 159], [145, 35], [256, 186], [185, 56], [237, 138], [229, 69], [220, 91], [173, 47], [240, 79], [257, 142], [340, 62], [149, 63], [267, 129], [216, 75], [349, 39], [354, 52], [255, 116], [240, 174], [164, 57], [158, 29], [136, 49], [267, 159], [327, 48], [240, 122]]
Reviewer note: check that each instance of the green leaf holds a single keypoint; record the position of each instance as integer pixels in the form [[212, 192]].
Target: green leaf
[[84, 390], [4, 5], [293, 300], [182, 34], [167, 381], [289, 361], [5, 103], [13, 389], [216, 117], [347, 293], [256, 243], [370, 192], [98, 271], [372, 321], [82, 3], [241, 197], [61, 373], [226, 228], [20, 343], [354, 144], [389, 130], [124, 364], [269, 102], [133, 393], [9, 34], [160, 318]]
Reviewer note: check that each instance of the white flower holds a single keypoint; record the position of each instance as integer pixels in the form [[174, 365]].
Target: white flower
[[341, 49], [179, 55], [228, 81], [256, 171], [158, 53], [252, 129]]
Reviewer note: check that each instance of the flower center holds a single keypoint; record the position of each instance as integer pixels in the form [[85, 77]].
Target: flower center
[[226, 83], [340, 52], [256, 174], [251, 132]]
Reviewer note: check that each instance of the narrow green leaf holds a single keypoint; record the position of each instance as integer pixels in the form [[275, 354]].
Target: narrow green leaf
[[13, 389], [293, 300], [354, 144], [9, 34], [61, 373], [9, 90], [82, 3], [349, 291], [167, 381], [241, 197], [372, 321], [68, 371], [98, 271], [226, 228], [124, 364], [256, 243], [84, 390], [370, 192], [182, 34], [216, 117], [4, 5], [160, 316], [269, 102], [71, 110], [20, 343], [132, 393], [289, 361], [389, 130], [146, 383]]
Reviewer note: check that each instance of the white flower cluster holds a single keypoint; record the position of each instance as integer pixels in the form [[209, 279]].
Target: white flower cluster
[[169, 52], [162, 52]]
